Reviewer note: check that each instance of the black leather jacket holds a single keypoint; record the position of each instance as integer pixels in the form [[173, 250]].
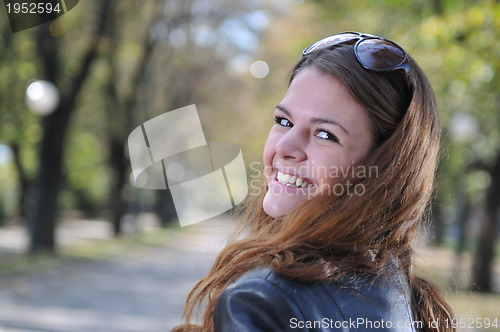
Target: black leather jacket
[[263, 300]]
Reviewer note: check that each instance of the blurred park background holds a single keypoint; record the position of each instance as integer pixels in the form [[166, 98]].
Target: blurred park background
[[117, 64]]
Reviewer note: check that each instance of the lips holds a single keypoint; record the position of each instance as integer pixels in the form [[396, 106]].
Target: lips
[[292, 180]]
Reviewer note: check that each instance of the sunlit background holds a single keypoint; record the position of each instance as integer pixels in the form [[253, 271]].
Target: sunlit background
[[73, 89]]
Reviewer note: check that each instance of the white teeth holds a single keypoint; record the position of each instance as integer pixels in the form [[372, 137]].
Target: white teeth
[[292, 180], [285, 178]]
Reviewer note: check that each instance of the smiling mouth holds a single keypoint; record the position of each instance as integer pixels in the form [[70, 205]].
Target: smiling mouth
[[292, 180]]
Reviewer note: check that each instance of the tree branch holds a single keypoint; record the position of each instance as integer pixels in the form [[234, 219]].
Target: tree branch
[[91, 53]]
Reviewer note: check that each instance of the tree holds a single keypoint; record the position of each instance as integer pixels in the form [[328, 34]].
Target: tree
[[47, 185], [482, 271], [13, 114], [465, 41], [175, 67]]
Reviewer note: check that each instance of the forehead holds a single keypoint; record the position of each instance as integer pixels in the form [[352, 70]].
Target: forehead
[[313, 93]]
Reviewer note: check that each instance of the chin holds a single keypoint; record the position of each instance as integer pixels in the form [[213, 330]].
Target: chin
[[275, 206], [272, 212]]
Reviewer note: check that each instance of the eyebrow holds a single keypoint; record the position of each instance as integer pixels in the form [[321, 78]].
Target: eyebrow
[[314, 120]]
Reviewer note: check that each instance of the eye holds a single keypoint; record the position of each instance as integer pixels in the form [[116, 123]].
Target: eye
[[283, 122], [326, 135]]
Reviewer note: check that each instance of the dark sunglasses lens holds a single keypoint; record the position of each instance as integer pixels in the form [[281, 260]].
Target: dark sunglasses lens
[[379, 54], [330, 41]]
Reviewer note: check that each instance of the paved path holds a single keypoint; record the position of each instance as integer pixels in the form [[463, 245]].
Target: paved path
[[142, 291]]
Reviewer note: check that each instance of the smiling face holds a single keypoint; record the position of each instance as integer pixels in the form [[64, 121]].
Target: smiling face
[[319, 128]]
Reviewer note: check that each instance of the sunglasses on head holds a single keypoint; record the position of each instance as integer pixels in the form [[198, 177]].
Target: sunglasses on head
[[373, 53]]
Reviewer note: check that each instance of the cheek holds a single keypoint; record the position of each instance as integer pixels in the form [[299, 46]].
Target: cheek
[[269, 151], [327, 166]]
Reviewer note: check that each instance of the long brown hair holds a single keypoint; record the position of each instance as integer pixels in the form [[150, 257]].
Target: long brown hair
[[331, 235]]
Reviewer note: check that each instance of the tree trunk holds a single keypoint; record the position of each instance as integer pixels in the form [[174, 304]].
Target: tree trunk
[[45, 192], [165, 208], [482, 271], [436, 227], [119, 163], [43, 205], [463, 218], [22, 180]]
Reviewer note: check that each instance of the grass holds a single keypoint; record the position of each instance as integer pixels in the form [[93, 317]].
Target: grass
[[452, 274], [439, 265], [92, 250]]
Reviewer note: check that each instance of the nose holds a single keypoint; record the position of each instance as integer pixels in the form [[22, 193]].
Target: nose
[[291, 146]]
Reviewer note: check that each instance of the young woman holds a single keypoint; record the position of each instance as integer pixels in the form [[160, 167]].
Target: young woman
[[349, 167]]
